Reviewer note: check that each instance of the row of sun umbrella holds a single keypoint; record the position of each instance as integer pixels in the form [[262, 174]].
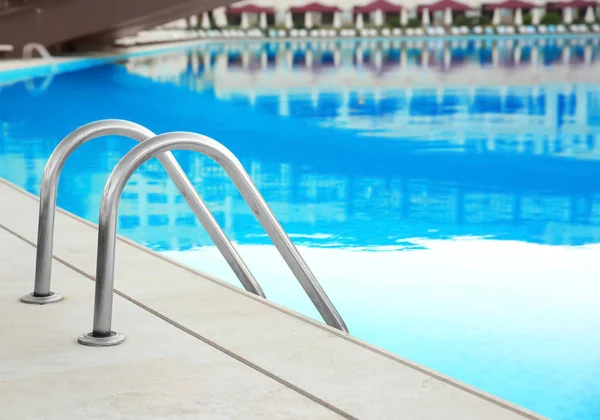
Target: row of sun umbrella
[[380, 8]]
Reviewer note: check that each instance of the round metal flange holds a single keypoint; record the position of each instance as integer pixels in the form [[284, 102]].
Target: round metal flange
[[114, 339], [41, 300]]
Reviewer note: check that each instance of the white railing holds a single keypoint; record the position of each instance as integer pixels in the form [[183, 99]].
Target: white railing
[[30, 47]]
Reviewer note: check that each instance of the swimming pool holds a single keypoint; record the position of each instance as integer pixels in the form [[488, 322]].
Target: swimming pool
[[446, 194]]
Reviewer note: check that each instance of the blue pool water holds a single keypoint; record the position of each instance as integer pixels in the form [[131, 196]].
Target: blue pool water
[[446, 195]]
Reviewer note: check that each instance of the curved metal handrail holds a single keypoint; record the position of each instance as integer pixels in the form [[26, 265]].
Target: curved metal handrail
[[28, 50], [102, 334], [30, 47], [48, 191]]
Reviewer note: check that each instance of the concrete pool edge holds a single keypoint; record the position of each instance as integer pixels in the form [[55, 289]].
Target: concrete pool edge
[[21, 70], [26, 231], [42, 67]]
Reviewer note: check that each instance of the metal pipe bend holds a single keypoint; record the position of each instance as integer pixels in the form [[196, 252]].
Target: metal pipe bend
[[42, 293], [209, 147]]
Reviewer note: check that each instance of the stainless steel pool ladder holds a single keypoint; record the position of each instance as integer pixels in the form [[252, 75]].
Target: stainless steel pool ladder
[[30, 47], [48, 190], [102, 334], [28, 50]]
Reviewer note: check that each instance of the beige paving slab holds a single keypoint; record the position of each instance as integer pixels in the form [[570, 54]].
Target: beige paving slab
[[160, 372], [345, 372]]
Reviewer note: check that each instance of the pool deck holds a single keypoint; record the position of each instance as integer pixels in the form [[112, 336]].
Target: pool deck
[[195, 346]]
